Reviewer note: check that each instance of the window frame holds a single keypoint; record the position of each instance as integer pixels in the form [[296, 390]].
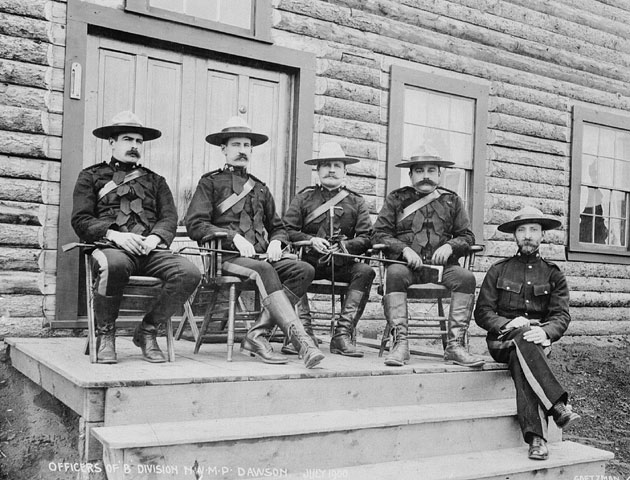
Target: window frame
[[402, 77], [576, 250], [260, 27]]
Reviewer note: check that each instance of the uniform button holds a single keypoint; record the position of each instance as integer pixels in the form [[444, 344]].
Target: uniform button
[[546, 291], [526, 301], [529, 266], [507, 288], [526, 314], [529, 283]]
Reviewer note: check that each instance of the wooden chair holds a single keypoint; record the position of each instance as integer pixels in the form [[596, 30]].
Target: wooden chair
[[138, 297], [215, 284], [429, 326], [325, 287]]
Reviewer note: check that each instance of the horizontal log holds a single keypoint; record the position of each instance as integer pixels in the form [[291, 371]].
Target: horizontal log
[[350, 129], [347, 91], [597, 284], [20, 308], [600, 299], [532, 128], [519, 157], [501, 201], [348, 72], [597, 317], [348, 109], [520, 188], [25, 8], [519, 109], [28, 236], [18, 282], [30, 168], [24, 27], [603, 328], [24, 213], [23, 259], [581, 16], [451, 36], [24, 50], [606, 270], [25, 190], [527, 173], [24, 97], [530, 96], [27, 74], [525, 142], [29, 145], [23, 119], [520, 25]]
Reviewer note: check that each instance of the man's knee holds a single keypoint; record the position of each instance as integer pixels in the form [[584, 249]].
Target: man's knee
[[461, 280], [398, 278], [364, 271]]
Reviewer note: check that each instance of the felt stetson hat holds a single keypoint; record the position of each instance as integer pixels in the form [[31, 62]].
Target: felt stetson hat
[[529, 215], [425, 155], [331, 151], [236, 127], [126, 122]]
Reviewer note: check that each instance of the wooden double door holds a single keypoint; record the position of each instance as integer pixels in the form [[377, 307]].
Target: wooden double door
[[187, 97]]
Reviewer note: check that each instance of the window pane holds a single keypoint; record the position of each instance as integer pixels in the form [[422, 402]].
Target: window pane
[[590, 141], [606, 172], [203, 9], [462, 115], [618, 233], [589, 170], [622, 175], [438, 110], [606, 143], [456, 180], [622, 146], [460, 150], [416, 106], [236, 12]]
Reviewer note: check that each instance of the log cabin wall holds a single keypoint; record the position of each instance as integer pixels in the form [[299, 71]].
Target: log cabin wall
[[539, 59], [32, 40]]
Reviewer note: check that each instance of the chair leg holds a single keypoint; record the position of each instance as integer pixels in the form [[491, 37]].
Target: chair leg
[[231, 315], [443, 326], [170, 348], [91, 342], [206, 322]]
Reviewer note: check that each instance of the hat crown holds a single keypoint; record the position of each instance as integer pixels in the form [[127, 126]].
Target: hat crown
[[425, 152], [126, 117], [236, 124], [331, 150], [527, 213]]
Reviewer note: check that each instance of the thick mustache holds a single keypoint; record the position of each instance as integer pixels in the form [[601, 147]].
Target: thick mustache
[[426, 182], [133, 152]]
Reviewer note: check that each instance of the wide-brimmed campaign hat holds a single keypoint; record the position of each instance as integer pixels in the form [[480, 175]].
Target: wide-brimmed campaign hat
[[126, 122], [529, 215], [236, 127], [425, 155], [329, 152]]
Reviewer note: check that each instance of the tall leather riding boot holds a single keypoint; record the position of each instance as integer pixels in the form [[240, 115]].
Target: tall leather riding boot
[[283, 313], [341, 342], [458, 321], [145, 337], [106, 312], [255, 342], [395, 306], [304, 314]]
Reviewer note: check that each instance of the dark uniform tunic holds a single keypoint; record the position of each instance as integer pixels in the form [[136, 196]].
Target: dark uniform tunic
[[351, 220], [255, 218], [143, 206], [532, 287], [444, 220]]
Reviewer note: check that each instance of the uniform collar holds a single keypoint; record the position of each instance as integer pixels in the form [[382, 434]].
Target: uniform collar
[[122, 166], [329, 191], [240, 171], [528, 258]]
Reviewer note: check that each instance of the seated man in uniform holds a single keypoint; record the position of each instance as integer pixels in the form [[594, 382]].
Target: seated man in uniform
[[130, 210], [233, 201], [425, 223], [309, 218], [524, 306]]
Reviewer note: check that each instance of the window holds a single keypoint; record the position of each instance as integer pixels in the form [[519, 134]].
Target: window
[[600, 186], [248, 18], [450, 114]]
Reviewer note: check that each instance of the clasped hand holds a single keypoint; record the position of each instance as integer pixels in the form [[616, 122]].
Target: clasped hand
[[535, 333], [440, 256], [134, 243]]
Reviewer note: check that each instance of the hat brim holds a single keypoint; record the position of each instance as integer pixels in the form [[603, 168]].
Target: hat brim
[[220, 138], [439, 163], [109, 131], [544, 222], [346, 160]]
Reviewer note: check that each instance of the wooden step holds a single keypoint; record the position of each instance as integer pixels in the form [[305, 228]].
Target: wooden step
[[326, 439], [189, 401], [567, 460]]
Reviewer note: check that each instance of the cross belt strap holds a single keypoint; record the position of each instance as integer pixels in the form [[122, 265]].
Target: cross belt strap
[[111, 185], [324, 207], [233, 199], [417, 205]]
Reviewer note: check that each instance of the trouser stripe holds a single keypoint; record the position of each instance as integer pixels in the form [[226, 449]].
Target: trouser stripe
[[103, 272], [531, 379]]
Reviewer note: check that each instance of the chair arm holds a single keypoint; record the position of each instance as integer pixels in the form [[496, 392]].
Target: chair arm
[[213, 236]]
